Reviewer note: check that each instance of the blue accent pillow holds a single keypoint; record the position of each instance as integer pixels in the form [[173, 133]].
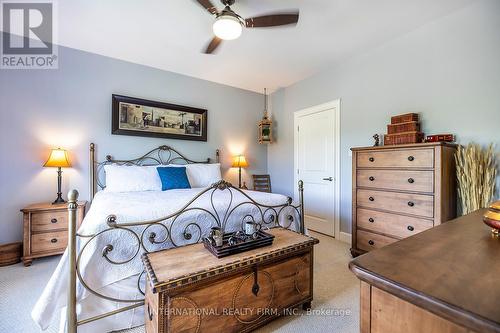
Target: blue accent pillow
[[173, 178]]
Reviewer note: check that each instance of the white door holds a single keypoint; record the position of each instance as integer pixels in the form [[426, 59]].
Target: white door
[[315, 163]]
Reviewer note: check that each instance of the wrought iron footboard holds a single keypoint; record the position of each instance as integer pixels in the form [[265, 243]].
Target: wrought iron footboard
[[186, 226]]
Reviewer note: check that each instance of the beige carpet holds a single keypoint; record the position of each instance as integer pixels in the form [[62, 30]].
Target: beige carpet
[[335, 305]]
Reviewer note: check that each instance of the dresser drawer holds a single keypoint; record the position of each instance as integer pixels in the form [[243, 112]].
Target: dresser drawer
[[405, 180], [46, 242], [370, 241], [414, 204], [414, 158], [46, 221], [391, 224]]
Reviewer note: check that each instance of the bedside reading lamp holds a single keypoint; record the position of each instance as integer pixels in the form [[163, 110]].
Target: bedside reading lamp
[[239, 162], [58, 159]]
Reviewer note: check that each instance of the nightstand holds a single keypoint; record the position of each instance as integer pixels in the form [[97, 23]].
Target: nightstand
[[46, 229]]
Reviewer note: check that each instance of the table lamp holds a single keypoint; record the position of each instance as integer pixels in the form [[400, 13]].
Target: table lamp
[[58, 159], [239, 162]]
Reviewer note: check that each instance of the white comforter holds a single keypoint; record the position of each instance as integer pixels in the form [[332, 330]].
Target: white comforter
[[120, 281]]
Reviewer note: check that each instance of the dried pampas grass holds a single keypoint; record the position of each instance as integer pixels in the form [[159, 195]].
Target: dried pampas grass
[[476, 175]]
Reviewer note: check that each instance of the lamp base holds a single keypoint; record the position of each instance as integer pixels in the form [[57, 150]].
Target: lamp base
[[59, 200], [239, 177]]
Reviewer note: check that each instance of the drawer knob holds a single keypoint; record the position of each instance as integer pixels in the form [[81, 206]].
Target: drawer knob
[[371, 220], [371, 178], [371, 198], [410, 228], [371, 159], [411, 158], [371, 242], [53, 240], [411, 203], [411, 180], [53, 221]]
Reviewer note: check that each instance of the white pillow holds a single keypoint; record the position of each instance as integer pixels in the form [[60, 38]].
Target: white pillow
[[131, 178], [203, 175]]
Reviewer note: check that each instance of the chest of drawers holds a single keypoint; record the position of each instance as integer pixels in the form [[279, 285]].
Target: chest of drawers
[[399, 191], [46, 229]]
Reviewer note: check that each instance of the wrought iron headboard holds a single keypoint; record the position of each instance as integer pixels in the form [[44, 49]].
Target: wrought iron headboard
[[163, 155]]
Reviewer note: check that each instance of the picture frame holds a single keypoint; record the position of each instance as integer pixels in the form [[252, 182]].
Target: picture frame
[[141, 117]]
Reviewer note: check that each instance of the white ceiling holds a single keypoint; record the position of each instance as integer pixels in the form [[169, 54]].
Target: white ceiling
[[170, 35]]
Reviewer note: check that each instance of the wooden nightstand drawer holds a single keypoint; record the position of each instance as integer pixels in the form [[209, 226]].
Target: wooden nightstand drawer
[[47, 221], [45, 229], [51, 241]]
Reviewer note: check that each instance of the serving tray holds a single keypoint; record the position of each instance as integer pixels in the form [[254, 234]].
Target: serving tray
[[263, 239]]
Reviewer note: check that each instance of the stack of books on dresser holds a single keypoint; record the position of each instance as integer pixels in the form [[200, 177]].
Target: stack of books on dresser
[[403, 129]]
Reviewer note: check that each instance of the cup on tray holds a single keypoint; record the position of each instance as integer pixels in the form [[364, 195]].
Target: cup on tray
[[252, 228], [216, 236]]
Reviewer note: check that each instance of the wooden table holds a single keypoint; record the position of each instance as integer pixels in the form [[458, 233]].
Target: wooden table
[[189, 290], [446, 279]]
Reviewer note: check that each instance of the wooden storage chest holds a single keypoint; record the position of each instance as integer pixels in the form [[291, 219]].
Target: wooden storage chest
[[190, 290], [399, 191]]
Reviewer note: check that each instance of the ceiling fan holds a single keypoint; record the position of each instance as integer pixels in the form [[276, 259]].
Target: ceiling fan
[[228, 25]]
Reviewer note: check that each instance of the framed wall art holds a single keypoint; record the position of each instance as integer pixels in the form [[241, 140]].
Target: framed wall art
[[140, 117]]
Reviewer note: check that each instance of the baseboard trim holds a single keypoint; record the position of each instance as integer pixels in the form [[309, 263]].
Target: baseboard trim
[[10, 253], [345, 237]]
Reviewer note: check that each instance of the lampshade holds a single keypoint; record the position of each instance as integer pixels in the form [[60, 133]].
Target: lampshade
[[58, 158], [227, 27], [239, 162]]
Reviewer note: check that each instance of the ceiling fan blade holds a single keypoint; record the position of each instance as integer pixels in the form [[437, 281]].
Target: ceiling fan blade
[[207, 4], [272, 20], [214, 44]]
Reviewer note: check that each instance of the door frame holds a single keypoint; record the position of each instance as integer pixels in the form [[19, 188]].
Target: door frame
[[335, 104]]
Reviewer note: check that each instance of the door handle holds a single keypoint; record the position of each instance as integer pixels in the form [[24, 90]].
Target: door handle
[[330, 179]]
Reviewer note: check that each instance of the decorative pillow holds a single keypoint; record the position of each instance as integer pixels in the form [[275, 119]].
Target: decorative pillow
[[173, 178], [203, 175], [131, 178]]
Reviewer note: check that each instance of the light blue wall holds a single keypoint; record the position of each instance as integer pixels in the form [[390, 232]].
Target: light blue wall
[[447, 70], [71, 107]]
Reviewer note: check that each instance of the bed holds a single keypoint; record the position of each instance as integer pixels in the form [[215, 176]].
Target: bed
[[98, 285]]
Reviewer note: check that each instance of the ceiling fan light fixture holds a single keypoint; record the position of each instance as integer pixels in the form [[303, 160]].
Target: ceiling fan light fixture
[[227, 27]]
